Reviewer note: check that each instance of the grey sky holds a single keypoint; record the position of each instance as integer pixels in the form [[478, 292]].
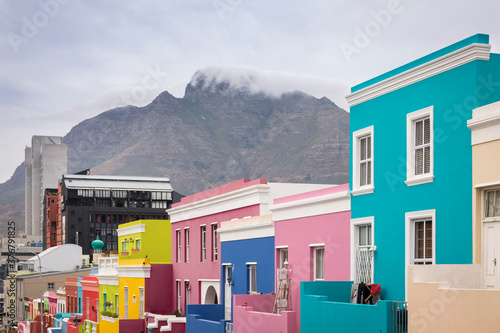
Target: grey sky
[[63, 61]]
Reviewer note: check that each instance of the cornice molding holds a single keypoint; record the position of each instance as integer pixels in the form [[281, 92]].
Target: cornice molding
[[476, 51], [133, 229]]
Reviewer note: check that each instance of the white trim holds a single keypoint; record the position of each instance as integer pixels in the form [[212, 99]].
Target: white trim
[[357, 189], [178, 280], [485, 123], [251, 263], [210, 280], [186, 228], [319, 205], [475, 51], [369, 220], [186, 280], [282, 247], [363, 191], [133, 229], [246, 231], [244, 197], [487, 184], [317, 245], [212, 223], [226, 264], [411, 118], [409, 217], [178, 229], [203, 225], [315, 249], [134, 271]]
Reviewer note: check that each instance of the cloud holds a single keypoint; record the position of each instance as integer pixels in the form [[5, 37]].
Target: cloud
[[272, 83]]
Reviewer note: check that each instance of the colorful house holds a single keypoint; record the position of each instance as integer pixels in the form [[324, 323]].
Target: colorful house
[[145, 275], [90, 298], [247, 258], [109, 294], [463, 297]]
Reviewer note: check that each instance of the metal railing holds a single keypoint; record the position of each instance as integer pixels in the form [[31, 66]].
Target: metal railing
[[400, 317], [364, 260], [229, 327]]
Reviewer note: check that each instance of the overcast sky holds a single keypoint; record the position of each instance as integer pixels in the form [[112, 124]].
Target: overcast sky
[[63, 61]]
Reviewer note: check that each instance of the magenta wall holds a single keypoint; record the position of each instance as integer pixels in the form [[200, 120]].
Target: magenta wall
[[196, 269], [331, 229], [158, 296], [132, 325]]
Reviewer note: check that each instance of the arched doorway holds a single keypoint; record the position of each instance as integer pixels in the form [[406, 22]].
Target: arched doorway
[[211, 296]]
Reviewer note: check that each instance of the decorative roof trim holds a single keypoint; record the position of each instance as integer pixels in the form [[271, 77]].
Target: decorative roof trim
[[476, 51]]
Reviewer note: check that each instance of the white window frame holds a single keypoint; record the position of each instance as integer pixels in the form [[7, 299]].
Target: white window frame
[[410, 218], [484, 212], [357, 189], [117, 304], [203, 235], [141, 302], [214, 242], [125, 300], [411, 119], [138, 243], [179, 295], [355, 224], [282, 252], [252, 277], [179, 247], [315, 267], [187, 287], [186, 244]]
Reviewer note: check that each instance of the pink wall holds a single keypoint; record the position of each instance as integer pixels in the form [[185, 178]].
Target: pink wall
[[331, 229], [195, 269], [233, 186], [253, 313]]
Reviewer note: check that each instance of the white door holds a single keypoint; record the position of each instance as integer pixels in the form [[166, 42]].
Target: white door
[[491, 259], [227, 291]]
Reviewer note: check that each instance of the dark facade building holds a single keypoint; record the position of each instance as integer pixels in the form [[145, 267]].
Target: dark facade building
[[92, 206]]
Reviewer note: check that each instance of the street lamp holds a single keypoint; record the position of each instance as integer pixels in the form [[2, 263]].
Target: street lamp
[[40, 275]]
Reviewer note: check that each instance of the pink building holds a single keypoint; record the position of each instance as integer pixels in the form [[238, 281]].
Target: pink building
[[195, 243], [312, 237]]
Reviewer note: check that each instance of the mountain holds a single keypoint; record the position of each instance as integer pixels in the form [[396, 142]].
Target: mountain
[[223, 129]]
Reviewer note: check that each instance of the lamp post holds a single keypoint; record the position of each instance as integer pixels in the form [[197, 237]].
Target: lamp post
[[40, 276]]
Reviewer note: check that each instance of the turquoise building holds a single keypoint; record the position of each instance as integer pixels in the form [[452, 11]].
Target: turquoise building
[[411, 163]]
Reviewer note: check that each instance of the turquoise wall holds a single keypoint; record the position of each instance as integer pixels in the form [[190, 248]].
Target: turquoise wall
[[453, 94], [325, 307]]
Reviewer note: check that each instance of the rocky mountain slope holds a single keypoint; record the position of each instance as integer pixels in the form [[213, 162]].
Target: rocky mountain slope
[[218, 132]]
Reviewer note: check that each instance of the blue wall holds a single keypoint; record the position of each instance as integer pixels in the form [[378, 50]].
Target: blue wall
[[453, 94], [238, 253], [205, 318]]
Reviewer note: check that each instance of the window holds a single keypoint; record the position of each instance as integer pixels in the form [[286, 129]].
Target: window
[[179, 297], [104, 301], [492, 205], [188, 292], [419, 150], [141, 303], [214, 242], [117, 303], [362, 249], [319, 263], [138, 244], [186, 240], [88, 307], [252, 278], [125, 298], [124, 246], [420, 239], [97, 309], [178, 238], [283, 258], [50, 285], [203, 233], [362, 166], [422, 242]]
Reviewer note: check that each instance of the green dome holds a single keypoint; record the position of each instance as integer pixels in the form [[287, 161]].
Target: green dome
[[97, 244]]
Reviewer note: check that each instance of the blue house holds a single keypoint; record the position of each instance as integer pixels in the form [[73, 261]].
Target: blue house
[[411, 162], [247, 268]]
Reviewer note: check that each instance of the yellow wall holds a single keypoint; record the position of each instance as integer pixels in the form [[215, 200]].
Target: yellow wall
[[155, 241], [133, 285], [485, 169], [432, 308]]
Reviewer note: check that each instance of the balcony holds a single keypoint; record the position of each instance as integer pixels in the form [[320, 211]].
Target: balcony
[[253, 313]]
